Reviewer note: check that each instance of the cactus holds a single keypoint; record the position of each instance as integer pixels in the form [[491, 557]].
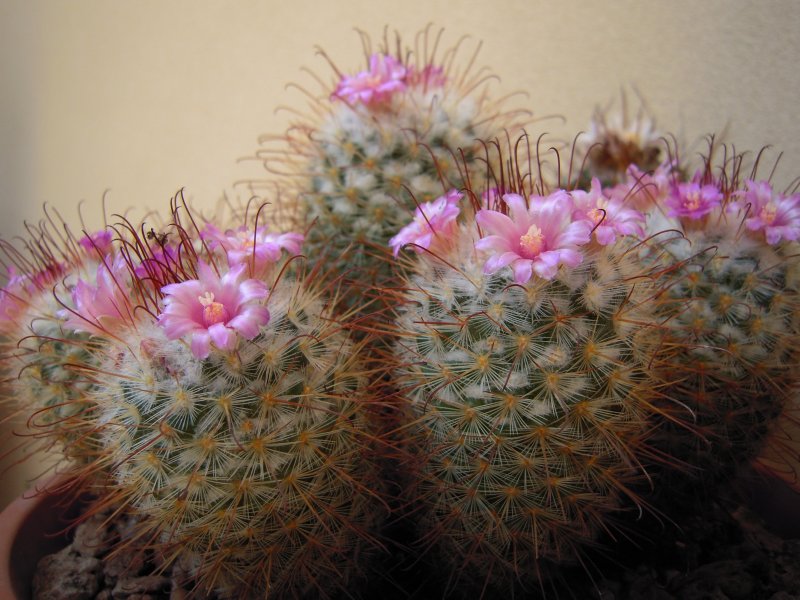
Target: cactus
[[522, 337], [228, 410], [43, 362], [730, 313], [380, 141]]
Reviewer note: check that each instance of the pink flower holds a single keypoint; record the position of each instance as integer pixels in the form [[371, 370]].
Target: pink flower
[[21, 288], [214, 309], [692, 200], [533, 239], [432, 220], [12, 298], [162, 262], [385, 76], [430, 76], [646, 190], [609, 214], [244, 245], [99, 241], [776, 214], [96, 307]]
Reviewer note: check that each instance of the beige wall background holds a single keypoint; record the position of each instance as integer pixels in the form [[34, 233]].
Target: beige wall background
[[143, 98]]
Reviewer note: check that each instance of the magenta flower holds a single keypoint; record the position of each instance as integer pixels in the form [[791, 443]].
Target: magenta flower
[[214, 309], [98, 306], [692, 200], [609, 214], [533, 239], [244, 245], [162, 262], [776, 214], [385, 76], [432, 220], [99, 241]]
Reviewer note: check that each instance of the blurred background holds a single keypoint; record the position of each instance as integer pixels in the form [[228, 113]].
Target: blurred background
[[135, 100]]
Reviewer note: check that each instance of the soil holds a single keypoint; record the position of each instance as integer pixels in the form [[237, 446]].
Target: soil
[[723, 552]]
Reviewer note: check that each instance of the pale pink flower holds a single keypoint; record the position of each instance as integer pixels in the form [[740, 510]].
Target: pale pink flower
[[432, 220], [385, 76], [97, 307], [214, 309], [533, 239], [609, 214], [99, 242], [429, 76], [646, 190], [692, 200], [22, 287], [776, 214], [244, 245]]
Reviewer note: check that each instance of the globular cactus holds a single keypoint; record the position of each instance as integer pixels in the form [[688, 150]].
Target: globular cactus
[[380, 140], [730, 314], [43, 362], [229, 411], [524, 331]]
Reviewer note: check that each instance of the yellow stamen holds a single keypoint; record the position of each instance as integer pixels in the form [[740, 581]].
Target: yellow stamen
[[213, 312], [768, 213], [532, 243], [692, 200]]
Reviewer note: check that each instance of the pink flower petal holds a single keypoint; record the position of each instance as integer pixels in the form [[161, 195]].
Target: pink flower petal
[[201, 344]]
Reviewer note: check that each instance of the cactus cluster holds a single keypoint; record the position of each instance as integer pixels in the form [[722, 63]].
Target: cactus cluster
[[549, 355]]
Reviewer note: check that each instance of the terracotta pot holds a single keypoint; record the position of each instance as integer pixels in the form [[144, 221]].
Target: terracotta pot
[[32, 526]]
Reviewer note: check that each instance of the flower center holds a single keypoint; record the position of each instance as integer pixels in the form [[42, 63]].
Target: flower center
[[213, 312], [768, 213], [532, 243], [692, 200], [245, 239], [598, 213]]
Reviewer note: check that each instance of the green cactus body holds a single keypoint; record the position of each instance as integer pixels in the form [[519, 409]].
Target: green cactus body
[[370, 168], [380, 143], [531, 401], [369, 159], [731, 345], [45, 365], [250, 465]]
